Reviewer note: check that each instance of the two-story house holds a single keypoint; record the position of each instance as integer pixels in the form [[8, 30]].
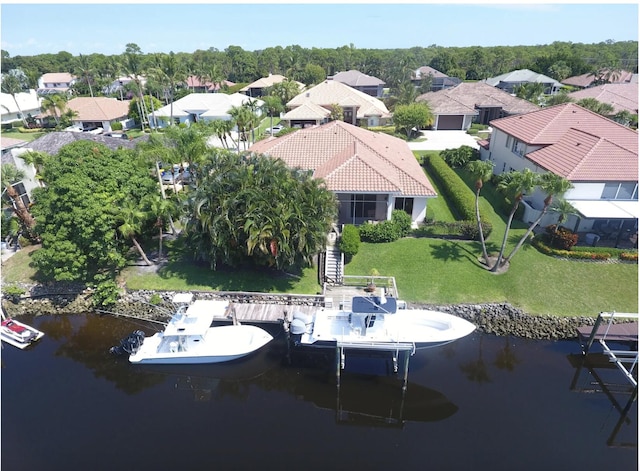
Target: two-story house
[[372, 86], [56, 82], [597, 155]]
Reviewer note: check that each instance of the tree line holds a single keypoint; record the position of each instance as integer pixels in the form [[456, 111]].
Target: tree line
[[558, 60]]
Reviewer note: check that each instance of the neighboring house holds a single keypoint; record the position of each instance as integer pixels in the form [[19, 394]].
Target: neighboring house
[[58, 82], [598, 156], [10, 149], [92, 113], [371, 173], [439, 81], [510, 81], [196, 85], [257, 88], [200, 107], [622, 96], [358, 108], [29, 103], [117, 87], [372, 86], [590, 79], [474, 102]]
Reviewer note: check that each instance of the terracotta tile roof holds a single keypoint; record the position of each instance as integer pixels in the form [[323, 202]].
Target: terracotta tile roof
[[465, 97], [193, 81], [350, 158], [307, 110], [331, 92], [585, 80], [57, 77], [580, 156], [98, 108], [622, 96], [355, 78], [265, 82], [548, 125]]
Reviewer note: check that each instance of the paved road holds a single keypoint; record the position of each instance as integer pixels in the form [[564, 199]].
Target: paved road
[[440, 140]]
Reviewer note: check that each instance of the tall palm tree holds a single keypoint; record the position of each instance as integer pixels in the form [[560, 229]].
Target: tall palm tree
[[552, 185], [37, 159], [242, 117], [162, 209], [55, 104], [84, 68], [169, 72], [11, 175], [131, 218], [530, 91], [132, 64], [11, 85], [515, 185], [211, 74], [481, 171]]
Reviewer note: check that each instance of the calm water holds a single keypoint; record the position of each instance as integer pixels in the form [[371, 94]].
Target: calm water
[[481, 403]]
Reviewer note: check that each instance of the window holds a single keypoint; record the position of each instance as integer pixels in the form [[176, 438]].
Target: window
[[620, 191], [509, 142], [405, 204], [518, 147], [363, 206]]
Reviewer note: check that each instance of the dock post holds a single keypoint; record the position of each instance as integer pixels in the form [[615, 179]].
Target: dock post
[[406, 371], [594, 331], [338, 364]]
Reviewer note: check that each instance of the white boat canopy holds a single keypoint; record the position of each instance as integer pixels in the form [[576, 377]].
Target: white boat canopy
[[198, 318], [607, 209]]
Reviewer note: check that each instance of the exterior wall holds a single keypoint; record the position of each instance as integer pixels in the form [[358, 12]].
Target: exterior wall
[[505, 159]]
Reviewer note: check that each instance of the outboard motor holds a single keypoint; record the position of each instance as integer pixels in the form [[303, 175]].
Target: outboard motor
[[129, 344]]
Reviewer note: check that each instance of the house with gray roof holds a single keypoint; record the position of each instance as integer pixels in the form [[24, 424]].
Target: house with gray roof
[[372, 86], [597, 155], [371, 173], [511, 80], [439, 80], [472, 102]]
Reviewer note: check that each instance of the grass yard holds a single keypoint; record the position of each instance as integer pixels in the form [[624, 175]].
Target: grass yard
[[23, 136]]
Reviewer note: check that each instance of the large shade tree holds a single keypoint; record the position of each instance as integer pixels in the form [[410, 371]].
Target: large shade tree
[[78, 212], [253, 209]]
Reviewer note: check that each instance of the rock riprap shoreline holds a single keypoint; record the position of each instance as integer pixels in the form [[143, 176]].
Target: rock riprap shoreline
[[500, 319]]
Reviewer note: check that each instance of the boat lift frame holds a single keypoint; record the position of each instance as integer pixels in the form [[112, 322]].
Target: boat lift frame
[[625, 360]]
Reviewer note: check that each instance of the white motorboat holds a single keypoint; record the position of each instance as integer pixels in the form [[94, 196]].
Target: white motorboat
[[18, 334], [189, 337], [377, 322]]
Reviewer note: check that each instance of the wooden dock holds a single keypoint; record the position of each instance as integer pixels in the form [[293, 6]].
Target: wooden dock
[[268, 313], [621, 332]]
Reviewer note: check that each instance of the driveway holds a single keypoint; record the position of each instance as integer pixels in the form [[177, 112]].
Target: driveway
[[441, 140]]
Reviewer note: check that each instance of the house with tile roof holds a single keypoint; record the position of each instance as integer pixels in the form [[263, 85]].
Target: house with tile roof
[[621, 96], [196, 85], [196, 107], [257, 88], [590, 79], [98, 112], [358, 108], [511, 80], [55, 82], [472, 102], [439, 80], [28, 104], [371, 173], [597, 155], [372, 86]]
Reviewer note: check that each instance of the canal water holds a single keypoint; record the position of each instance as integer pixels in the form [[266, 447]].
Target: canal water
[[481, 403]]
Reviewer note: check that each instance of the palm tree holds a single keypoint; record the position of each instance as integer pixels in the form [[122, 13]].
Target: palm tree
[[530, 91], [11, 175], [552, 185], [131, 217], [516, 185], [84, 69], [163, 209], [564, 209], [242, 117], [169, 72], [37, 159], [481, 170], [11, 85], [211, 74], [132, 64], [55, 104]]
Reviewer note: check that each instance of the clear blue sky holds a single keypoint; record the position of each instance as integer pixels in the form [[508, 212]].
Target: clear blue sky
[[29, 28]]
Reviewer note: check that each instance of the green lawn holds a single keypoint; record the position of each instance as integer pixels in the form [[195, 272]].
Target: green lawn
[[23, 136]]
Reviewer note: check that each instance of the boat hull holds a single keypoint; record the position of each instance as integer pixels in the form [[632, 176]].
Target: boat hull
[[18, 334], [418, 327], [219, 344]]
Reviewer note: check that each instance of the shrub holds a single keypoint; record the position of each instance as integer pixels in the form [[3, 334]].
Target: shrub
[[116, 127], [402, 220], [349, 243], [560, 238], [459, 229], [629, 256], [13, 292], [155, 299], [105, 294], [385, 231], [586, 254]]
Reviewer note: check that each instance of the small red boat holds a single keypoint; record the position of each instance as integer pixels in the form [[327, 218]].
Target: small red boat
[[18, 334]]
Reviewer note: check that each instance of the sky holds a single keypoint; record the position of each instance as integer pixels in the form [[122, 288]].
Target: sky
[[80, 28]]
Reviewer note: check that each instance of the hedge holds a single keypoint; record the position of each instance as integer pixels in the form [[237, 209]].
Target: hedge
[[585, 253], [349, 243], [456, 191]]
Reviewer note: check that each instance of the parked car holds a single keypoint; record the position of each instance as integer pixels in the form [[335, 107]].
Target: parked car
[[177, 173], [274, 130]]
